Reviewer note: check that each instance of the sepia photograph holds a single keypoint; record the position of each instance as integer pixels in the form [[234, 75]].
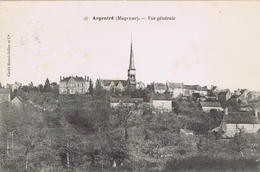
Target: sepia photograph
[[131, 86]]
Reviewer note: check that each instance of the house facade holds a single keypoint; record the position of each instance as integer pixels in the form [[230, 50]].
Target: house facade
[[233, 122], [190, 89], [241, 96], [174, 89], [5, 95], [254, 95], [161, 101], [14, 87], [224, 95], [207, 106], [18, 102], [74, 85]]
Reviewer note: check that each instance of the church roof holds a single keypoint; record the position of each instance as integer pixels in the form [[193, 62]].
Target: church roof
[[107, 82], [124, 82]]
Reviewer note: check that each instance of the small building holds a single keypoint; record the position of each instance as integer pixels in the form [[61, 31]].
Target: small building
[[224, 95], [254, 95], [207, 106], [14, 87], [241, 96], [115, 101], [18, 101], [233, 122], [161, 101], [188, 90], [187, 132], [5, 95]]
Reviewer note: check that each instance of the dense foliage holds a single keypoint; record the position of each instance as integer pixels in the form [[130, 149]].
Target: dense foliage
[[51, 132]]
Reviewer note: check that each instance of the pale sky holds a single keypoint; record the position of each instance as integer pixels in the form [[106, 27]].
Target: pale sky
[[208, 43]]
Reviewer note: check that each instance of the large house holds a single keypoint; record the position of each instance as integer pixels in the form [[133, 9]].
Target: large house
[[120, 85], [207, 106], [234, 122], [5, 95], [74, 85]]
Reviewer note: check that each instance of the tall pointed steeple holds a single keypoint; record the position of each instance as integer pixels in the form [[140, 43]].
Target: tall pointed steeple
[[131, 70], [131, 64]]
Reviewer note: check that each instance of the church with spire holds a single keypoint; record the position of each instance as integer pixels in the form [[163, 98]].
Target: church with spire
[[131, 70], [121, 85]]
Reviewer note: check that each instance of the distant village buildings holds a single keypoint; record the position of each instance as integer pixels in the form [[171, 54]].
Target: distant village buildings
[[179, 89], [14, 87]]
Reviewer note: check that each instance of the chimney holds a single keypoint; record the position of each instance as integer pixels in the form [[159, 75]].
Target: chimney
[[88, 78], [60, 78], [226, 111], [85, 77]]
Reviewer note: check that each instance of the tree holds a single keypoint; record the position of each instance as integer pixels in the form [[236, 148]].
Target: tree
[[31, 85], [26, 144], [239, 142], [40, 88], [91, 90], [8, 124], [69, 143], [124, 113], [33, 146], [47, 86]]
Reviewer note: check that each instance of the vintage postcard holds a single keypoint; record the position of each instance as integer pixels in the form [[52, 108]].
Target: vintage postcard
[[130, 86]]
